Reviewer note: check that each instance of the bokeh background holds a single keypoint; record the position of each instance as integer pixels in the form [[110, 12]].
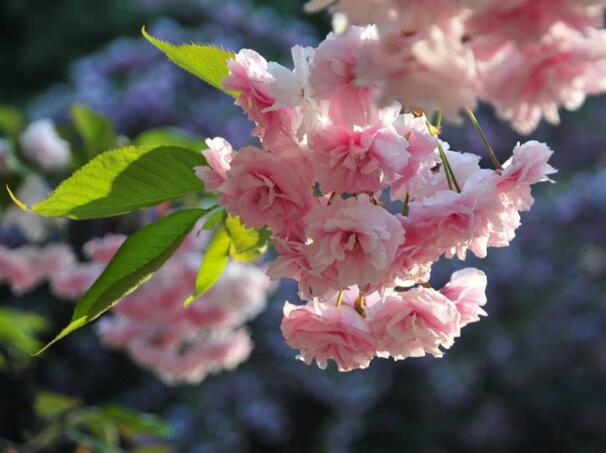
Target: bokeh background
[[530, 377]]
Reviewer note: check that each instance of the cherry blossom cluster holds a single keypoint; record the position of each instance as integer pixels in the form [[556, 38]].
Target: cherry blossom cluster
[[333, 169], [527, 58], [25, 268]]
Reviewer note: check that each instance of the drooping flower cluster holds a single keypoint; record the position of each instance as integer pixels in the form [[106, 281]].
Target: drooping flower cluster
[[399, 325], [26, 267], [527, 58], [332, 169]]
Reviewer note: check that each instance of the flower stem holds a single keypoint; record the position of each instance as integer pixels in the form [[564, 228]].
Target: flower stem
[[438, 120], [476, 125], [450, 176]]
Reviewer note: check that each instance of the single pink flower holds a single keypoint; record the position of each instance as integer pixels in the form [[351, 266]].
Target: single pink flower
[[250, 77], [360, 159], [325, 332], [265, 189], [333, 77], [353, 242], [528, 165], [419, 321], [218, 157], [467, 290]]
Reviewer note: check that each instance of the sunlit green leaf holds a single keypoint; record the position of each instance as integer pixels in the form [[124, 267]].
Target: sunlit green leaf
[[205, 62], [140, 256], [170, 137], [214, 261], [247, 244], [123, 180]]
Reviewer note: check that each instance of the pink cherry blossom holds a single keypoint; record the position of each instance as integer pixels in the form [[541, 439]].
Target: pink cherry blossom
[[419, 321], [560, 70], [26, 267], [457, 222], [102, 250], [291, 261], [325, 332], [248, 297], [333, 77], [420, 69], [218, 156], [527, 166], [467, 290], [359, 159], [190, 365], [427, 183], [71, 283], [15, 270], [405, 15], [250, 77], [352, 242], [422, 147], [263, 189], [526, 21]]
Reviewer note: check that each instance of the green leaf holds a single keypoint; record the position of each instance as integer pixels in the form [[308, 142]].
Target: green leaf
[[247, 244], [12, 121], [214, 261], [50, 405], [205, 62], [132, 423], [123, 180], [214, 218], [18, 329], [96, 130], [170, 137], [140, 256]]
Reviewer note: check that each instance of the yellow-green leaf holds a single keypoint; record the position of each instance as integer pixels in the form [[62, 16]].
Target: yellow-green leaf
[[205, 62], [214, 261], [124, 180], [247, 244]]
